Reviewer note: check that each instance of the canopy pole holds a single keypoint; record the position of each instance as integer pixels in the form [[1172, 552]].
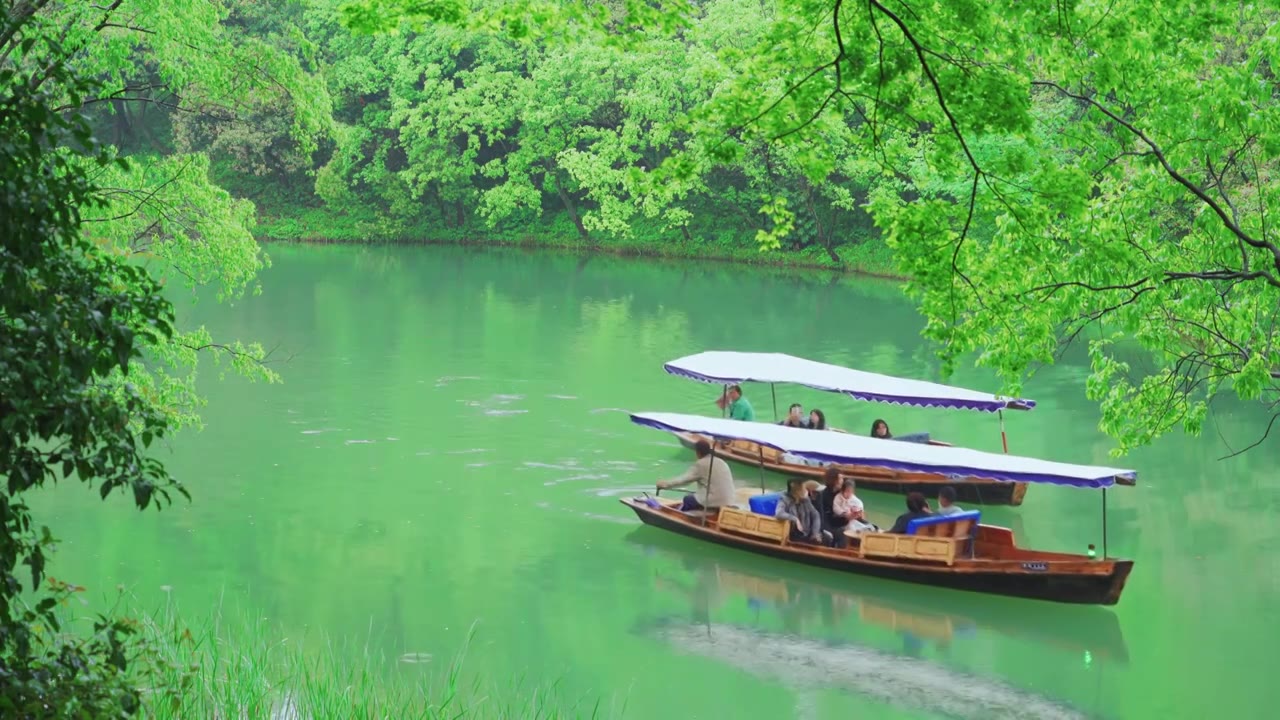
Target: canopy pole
[[711, 465], [724, 401], [1003, 439], [773, 390], [1104, 523], [761, 449]]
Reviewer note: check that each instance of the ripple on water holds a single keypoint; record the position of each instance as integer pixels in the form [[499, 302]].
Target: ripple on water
[[615, 491], [615, 519], [569, 465], [359, 442], [572, 478], [563, 397], [492, 411], [447, 379]]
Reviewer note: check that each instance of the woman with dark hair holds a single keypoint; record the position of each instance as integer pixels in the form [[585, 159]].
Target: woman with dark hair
[[817, 421], [917, 507], [880, 429]]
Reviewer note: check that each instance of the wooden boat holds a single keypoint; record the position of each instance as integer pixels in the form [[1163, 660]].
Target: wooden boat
[[954, 551], [1076, 629], [726, 368]]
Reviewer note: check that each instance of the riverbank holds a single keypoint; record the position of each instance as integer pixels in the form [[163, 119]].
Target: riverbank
[[322, 226], [235, 667]]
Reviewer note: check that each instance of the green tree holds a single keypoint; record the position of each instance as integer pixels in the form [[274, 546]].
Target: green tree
[[71, 318], [1044, 174], [176, 79]]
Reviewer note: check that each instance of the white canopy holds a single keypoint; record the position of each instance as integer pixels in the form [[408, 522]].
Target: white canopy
[[844, 449], [725, 367]]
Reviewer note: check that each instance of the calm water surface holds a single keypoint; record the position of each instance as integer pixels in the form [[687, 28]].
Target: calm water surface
[[447, 451]]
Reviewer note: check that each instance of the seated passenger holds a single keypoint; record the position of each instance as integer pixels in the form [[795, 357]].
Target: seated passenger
[[832, 524], [817, 421], [713, 477], [806, 523], [849, 507], [827, 500], [947, 501], [917, 507], [795, 417], [880, 429], [814, 490]]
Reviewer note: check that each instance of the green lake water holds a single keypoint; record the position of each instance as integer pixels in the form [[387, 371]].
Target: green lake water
[[447, 451]]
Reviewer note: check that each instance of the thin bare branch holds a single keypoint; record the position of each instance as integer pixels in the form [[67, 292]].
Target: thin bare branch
[[1255, 443]]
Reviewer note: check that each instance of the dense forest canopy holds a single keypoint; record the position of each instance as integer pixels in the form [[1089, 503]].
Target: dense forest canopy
[[1045, 174], [1068, 173]]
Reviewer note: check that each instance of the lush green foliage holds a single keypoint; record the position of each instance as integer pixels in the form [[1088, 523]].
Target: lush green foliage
[[93, 364], [1070, 170], [178, 79], [71, 318], [475, 130], [1046, 173]]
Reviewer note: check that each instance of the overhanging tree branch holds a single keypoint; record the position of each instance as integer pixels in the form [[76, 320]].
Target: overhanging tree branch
[[1172, 172]]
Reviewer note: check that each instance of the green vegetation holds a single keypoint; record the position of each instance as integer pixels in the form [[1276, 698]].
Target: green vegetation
[[232, 667], [556, 232], [1097, 172], [73, 319], [1043, 174], [94, 364]]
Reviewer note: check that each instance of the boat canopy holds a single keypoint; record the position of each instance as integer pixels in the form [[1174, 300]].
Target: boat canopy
[[841, 448], [725, 367]]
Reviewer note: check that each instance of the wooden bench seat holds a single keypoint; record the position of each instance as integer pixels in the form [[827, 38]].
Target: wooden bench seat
[[937, 538], [752, 524], [755, 450]]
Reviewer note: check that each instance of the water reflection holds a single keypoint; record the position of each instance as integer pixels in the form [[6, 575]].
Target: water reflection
[[812, 630], [809, 666]]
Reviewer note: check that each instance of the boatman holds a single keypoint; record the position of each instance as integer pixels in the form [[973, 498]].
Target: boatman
[[739, 407], [715, 481]]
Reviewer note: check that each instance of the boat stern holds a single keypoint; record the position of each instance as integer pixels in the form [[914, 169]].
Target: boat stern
[[1119, 576]]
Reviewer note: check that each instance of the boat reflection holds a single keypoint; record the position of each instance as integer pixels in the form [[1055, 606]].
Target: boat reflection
[[901, 681], [808, 600], [804, 652]]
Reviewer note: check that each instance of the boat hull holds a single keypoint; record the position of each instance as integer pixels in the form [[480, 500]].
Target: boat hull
[[1081, 582], [974, 491], [1071, 627]]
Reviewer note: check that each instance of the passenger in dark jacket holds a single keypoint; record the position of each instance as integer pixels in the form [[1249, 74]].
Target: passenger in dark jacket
[[831, 522], [917, 507], [806, 521]]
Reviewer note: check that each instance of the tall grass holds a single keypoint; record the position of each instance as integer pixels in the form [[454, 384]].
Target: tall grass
[[244, 670]]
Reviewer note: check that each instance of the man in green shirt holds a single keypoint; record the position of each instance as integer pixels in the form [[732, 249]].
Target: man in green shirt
[[739, 408]]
